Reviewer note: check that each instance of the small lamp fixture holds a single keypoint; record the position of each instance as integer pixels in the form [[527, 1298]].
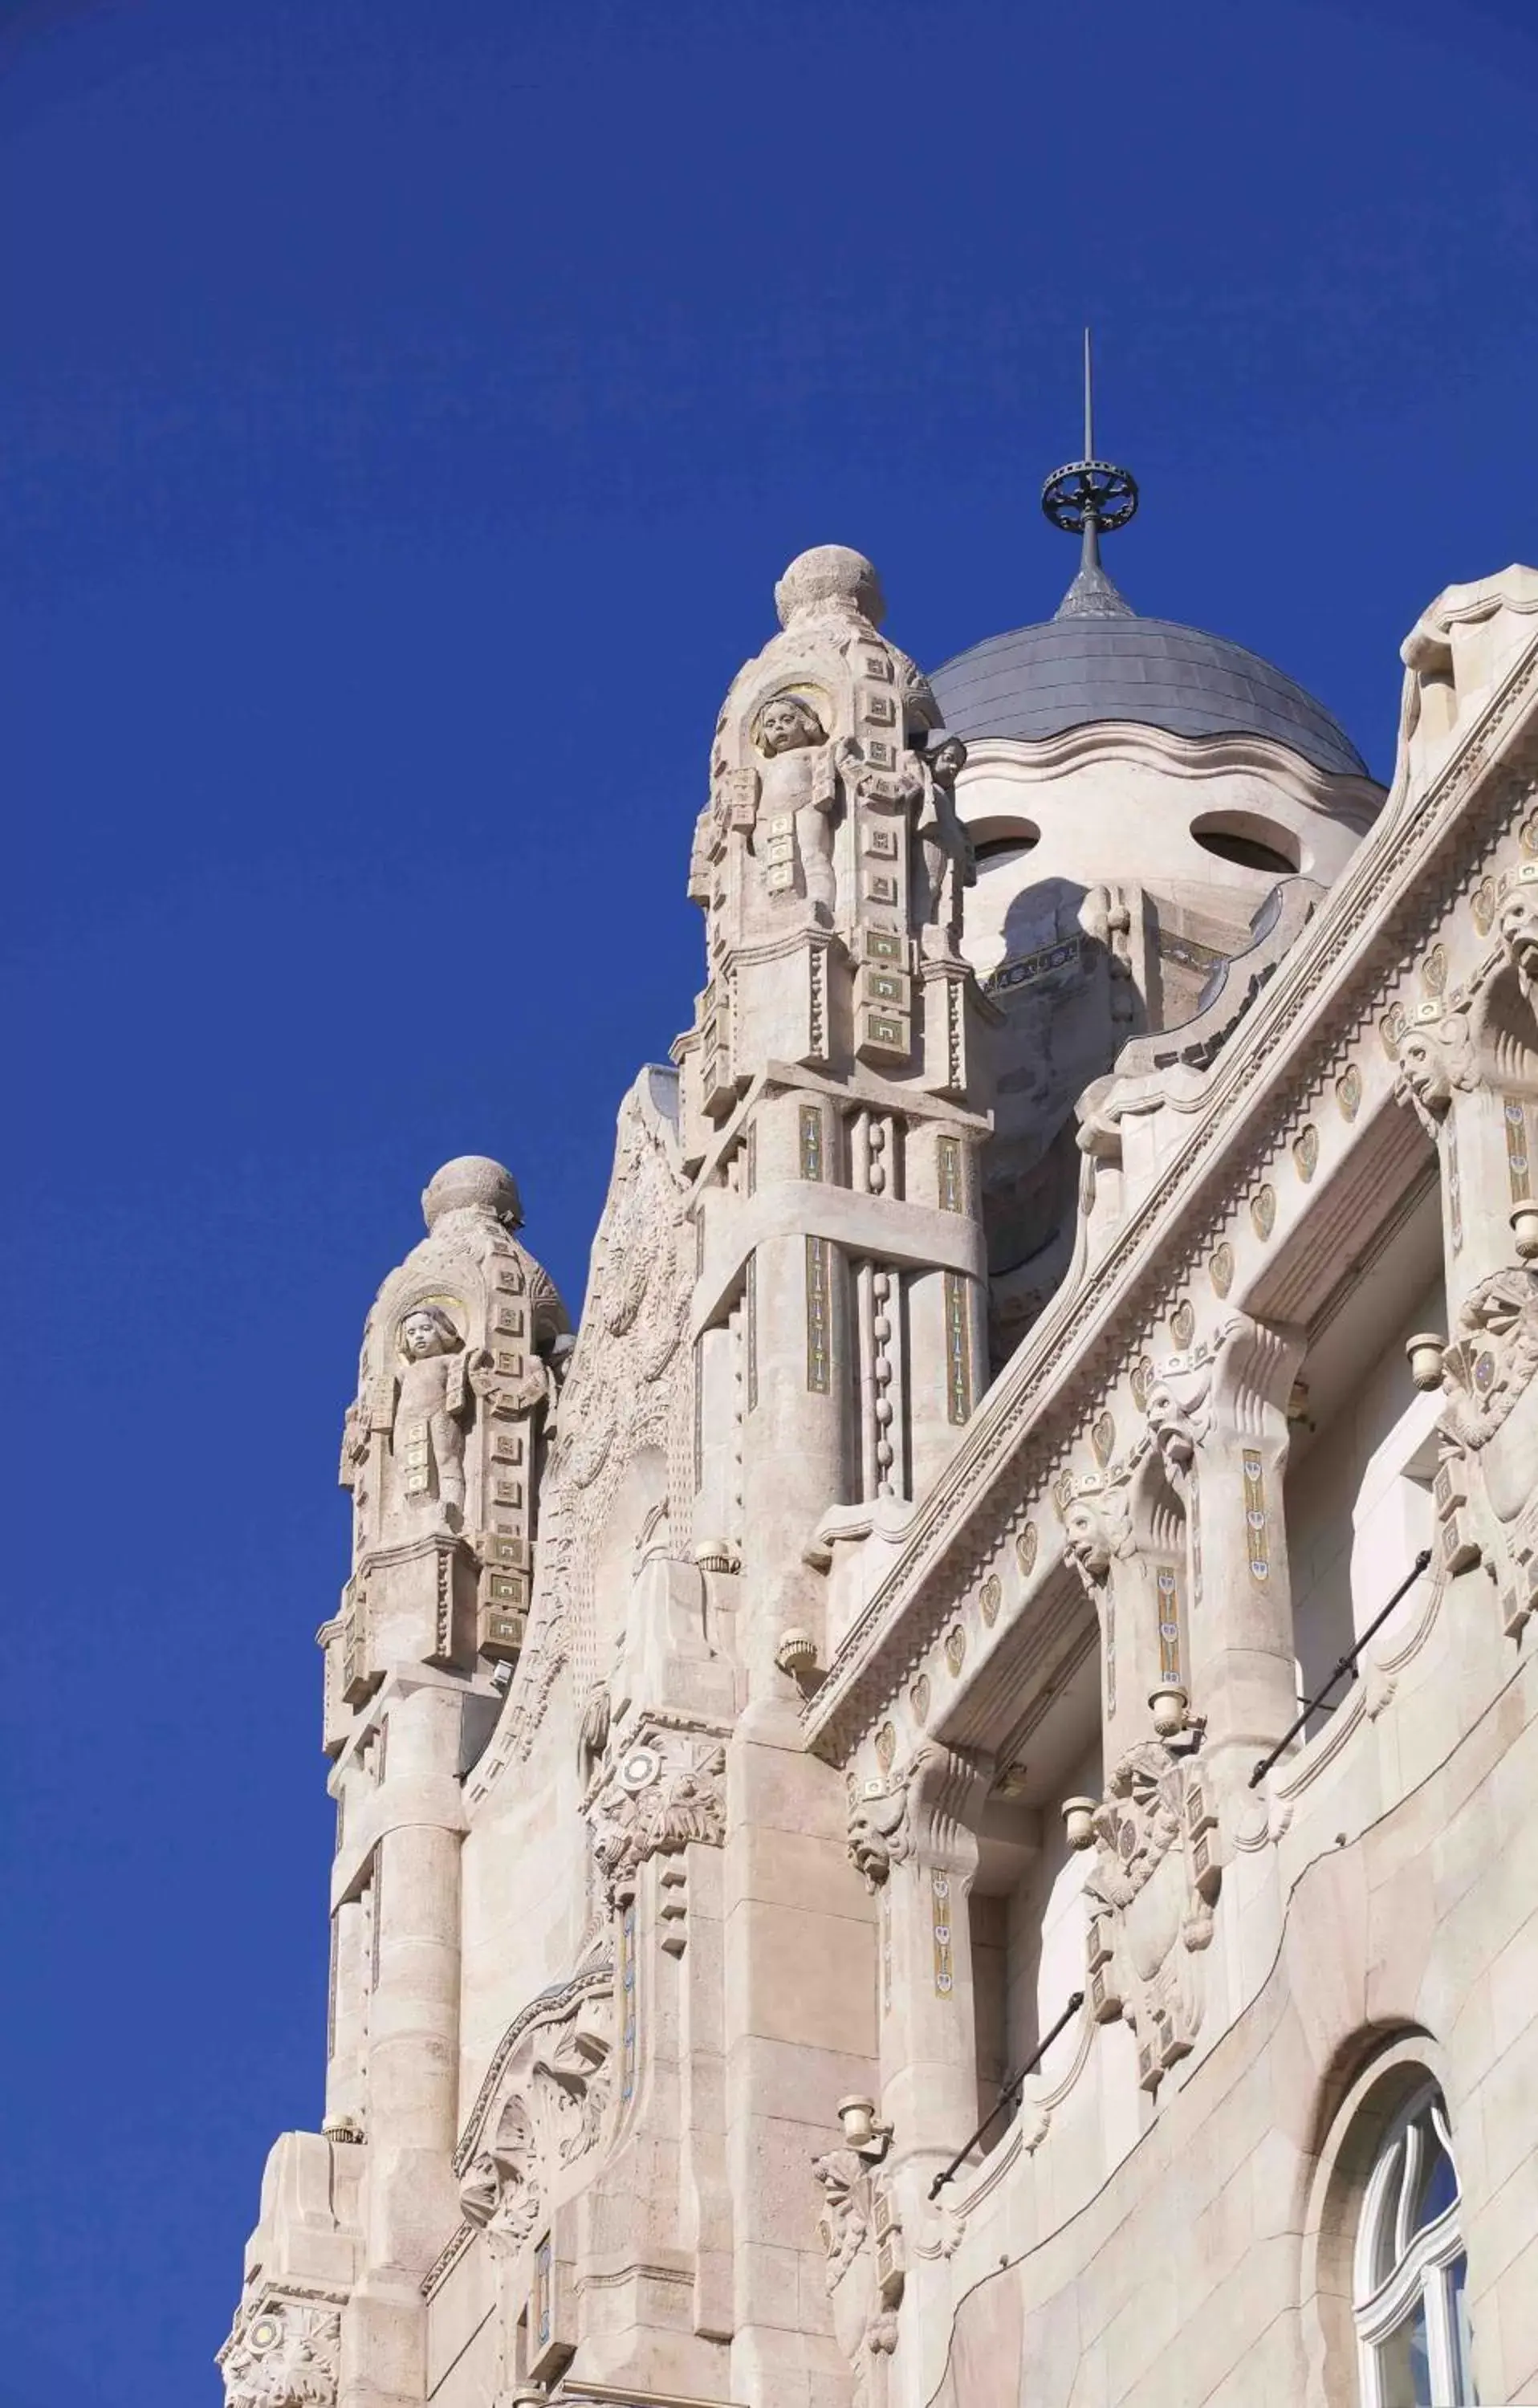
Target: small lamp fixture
[[1524, 1229], [1424, 1353], [863, 2130], [796, 1654], [1170, 1707], [1079, 1821]]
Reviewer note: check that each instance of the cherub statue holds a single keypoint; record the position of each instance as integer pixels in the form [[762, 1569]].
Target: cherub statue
[[797, 777], [432, 1397], [944, 844]]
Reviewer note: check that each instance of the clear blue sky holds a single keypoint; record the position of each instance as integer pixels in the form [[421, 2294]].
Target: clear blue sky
[[405, 411]]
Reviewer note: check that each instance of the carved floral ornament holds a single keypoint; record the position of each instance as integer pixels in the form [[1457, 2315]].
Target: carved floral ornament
[[546, 2110], [284, 2354], [664, 1788]]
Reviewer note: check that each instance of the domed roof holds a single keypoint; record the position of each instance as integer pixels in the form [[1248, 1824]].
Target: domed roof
[[1075, 668]]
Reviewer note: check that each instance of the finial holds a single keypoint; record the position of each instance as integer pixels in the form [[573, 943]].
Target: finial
[[472, 1183], [1086, 499], [830, 577]]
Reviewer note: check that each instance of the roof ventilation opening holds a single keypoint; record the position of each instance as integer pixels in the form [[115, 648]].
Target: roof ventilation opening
[[1249, 841]]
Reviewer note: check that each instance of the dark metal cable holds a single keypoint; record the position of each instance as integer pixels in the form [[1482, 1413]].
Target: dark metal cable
[[1009, 2091], [1347, 1664]]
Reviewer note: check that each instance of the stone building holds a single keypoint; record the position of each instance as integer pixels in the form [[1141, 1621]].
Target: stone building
[[846, 1888]]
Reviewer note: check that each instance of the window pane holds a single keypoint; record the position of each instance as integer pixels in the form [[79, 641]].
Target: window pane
[[1437, 2187], [1405, 2373]]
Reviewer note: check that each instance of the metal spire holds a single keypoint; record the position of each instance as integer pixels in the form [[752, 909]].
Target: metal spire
[[1083, 499]]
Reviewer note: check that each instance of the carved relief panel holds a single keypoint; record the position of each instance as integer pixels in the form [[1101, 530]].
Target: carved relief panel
[[540, 2113], [1487, 1486], [1152, 1886]]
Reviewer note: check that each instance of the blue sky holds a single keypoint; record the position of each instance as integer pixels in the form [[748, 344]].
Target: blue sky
[[405, 410]]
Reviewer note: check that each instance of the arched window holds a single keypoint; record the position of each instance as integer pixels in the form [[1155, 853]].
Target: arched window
[[1410, 2272]]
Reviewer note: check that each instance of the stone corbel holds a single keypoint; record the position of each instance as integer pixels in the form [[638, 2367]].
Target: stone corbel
[[926, 1809]]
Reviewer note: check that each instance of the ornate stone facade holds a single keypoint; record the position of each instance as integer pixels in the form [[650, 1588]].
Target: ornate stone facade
[[912, 1796]]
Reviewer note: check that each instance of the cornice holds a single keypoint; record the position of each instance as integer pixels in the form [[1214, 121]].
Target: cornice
[[1396, 887], [1355, 800]]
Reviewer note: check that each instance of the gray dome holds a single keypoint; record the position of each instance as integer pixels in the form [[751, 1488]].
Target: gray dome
[[1066, 672]]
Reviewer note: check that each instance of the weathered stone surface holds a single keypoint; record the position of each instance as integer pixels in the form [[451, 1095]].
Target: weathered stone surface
[[759, 1731]]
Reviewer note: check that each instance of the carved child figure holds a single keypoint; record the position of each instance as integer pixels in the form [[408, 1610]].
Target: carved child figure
[[798, 778], [944, 844], [428, 1439]]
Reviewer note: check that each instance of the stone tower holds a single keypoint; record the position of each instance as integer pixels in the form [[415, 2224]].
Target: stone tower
[[833, 1108]]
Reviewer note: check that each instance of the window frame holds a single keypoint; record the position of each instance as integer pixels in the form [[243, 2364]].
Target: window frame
[[1421, 2263]]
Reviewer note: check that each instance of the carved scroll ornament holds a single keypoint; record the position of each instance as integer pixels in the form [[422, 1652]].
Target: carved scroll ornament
[[546, 2115]]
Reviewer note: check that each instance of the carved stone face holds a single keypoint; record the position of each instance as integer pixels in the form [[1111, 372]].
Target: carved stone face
[[1519, 929], [1423, 1072], [787, 725], [948, 760], [428, 1331], [1084, 1539], [1171, 1425]]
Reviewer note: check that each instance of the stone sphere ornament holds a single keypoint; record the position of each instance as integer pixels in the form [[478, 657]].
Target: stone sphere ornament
[[830, 577], [472, 1183]]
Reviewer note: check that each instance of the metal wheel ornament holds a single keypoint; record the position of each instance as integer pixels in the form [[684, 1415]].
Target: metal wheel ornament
[[1089, 492]]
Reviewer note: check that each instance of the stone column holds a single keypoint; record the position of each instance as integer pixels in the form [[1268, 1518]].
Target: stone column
[[928, 2038], [409, 2202], [347, 2022], [798, 1380], [800, 2021], [1243, 1675]]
